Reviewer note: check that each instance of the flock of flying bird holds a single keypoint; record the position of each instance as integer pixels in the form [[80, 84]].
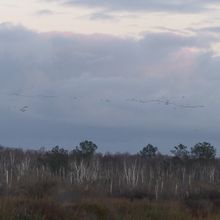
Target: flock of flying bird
[[166, 101], [163, 100]]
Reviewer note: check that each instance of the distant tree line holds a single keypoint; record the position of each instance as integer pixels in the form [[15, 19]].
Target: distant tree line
[[199, 151], [147, 173]]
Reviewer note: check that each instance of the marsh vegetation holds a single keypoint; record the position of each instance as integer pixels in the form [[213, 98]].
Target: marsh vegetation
[[83, 184]]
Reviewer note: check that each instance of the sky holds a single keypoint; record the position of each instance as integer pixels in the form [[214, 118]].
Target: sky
[[121, 73]]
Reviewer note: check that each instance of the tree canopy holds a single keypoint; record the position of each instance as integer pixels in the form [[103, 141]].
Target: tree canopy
[[57, 159], [203, 151], [86, 148], [148, 151], [180, 151]]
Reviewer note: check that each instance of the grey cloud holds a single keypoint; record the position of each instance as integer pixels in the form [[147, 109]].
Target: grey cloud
[[102, 16], [144, 5], [80, 71], [213, 29], [45, 12]]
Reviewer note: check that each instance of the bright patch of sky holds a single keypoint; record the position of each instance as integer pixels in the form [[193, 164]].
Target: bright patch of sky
[[46, 16]]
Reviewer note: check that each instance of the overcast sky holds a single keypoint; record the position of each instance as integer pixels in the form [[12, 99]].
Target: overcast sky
[[121, 73]]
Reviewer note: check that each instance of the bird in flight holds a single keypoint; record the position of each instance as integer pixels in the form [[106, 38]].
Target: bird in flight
[[24, 108]]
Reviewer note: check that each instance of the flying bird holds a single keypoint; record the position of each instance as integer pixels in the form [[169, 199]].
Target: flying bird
[[76, 98], [45, 96], [24, 108], [105, 100]]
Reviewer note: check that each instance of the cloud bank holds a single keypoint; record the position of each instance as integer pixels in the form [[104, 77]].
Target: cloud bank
[[102, 88], [186, 6]]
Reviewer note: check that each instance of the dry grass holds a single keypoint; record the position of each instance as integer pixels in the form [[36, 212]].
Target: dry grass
[[18, 208]]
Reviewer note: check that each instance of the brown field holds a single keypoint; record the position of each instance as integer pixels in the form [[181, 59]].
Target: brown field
[[23, 208]]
